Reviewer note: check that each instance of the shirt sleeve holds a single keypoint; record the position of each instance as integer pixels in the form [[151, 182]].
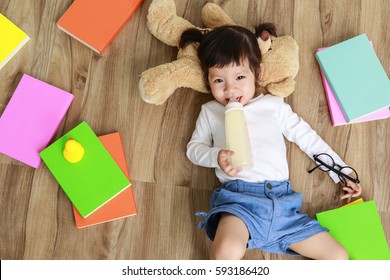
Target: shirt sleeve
[[296, 130], [200, 150]]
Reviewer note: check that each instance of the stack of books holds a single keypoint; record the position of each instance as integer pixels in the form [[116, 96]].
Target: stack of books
[[356, 85], [359, 229], [98, 185], [122, 205]]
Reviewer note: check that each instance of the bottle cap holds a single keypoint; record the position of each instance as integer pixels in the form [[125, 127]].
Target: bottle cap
[[233, 104]]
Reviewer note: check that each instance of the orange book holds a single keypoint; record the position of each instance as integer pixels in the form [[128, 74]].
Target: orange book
[[95, 23], [121, 206]]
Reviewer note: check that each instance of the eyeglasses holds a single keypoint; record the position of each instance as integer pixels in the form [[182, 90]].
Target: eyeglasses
[[342, 171]]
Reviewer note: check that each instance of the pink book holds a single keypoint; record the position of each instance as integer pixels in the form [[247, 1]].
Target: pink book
[[336, 114], [31, 119]]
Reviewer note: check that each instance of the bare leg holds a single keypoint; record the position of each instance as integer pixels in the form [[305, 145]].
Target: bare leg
[[321, 246], [230, 239]]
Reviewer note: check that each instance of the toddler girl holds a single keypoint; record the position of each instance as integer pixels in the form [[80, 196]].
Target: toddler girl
[[256, 208]]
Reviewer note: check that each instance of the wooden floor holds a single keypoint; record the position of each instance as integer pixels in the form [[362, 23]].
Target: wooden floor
[[36, 216]]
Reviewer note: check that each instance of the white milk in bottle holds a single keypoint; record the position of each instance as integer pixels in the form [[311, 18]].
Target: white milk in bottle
[[236, 133]]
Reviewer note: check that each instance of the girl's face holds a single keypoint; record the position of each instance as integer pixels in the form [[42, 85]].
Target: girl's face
[[232, 81]]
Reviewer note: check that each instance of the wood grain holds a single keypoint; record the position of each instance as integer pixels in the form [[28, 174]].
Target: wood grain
[[35, 214]]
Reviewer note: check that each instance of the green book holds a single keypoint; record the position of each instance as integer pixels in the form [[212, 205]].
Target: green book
[[359, 229], [91, 182], [356, 76]]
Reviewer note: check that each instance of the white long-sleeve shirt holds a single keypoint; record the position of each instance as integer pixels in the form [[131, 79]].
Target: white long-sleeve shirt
[[269, 120]]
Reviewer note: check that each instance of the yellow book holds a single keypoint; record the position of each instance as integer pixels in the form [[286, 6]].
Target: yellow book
[[12, 39], [357, 201]]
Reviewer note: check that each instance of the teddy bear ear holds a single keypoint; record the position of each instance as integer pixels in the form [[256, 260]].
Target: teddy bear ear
[[264, 35], [264, 42]]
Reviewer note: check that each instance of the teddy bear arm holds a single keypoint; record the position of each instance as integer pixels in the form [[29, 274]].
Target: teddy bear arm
[[159, 83], [283, 88]]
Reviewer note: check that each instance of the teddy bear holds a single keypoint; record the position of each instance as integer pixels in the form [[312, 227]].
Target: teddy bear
[[280, 56]]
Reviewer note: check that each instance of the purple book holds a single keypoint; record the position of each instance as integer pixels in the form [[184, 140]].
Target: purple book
[[31, 119]]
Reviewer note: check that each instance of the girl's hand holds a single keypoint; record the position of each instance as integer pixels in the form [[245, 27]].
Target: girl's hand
[[225, 163], [350, 190]]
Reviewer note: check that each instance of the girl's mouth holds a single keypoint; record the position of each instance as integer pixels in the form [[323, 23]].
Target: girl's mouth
[[237, 98]]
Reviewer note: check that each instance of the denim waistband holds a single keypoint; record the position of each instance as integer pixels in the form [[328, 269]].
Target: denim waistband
[[242, 186]]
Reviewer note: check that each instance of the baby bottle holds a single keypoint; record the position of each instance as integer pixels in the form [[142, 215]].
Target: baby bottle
[[236, 133]]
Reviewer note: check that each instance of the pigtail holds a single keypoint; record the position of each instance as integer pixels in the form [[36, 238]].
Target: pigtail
[[266, 26], [189, 36]]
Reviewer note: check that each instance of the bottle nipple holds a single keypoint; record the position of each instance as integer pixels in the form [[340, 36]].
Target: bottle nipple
[[233, 103], [73, 151]]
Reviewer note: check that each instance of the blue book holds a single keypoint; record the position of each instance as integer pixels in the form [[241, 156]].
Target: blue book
[[356, 76]]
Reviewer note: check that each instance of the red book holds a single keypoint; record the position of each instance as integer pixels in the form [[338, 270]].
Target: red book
[[121, 206], [95, 23]]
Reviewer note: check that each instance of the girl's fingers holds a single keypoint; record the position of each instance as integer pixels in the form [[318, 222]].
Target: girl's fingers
[[225, 163], [346, 196], [228, 168], [232, 172], [356, 194], [226, 154], [355, 187], [348, 190], [351, 190], [358, 189], [354, 191]]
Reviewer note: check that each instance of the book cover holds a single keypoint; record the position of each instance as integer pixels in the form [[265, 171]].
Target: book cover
[[91, 182], [359, 229], [360, 200], [31, 118], [12, 39], [356, 77], [95, 23], [121, 206], [336, 114]]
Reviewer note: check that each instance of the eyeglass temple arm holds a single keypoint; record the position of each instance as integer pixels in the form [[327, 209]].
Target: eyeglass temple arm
[[356, 181], [314, 168]]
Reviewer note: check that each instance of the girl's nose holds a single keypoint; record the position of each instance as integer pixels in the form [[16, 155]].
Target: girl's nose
[[229, 93]]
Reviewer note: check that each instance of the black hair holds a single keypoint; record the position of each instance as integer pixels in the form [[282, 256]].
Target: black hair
[[224, 45]]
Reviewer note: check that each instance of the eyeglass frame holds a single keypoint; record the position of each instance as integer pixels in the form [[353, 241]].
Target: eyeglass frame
[[339, 173]]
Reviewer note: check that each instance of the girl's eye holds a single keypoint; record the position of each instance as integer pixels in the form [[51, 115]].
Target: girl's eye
[[218, 81], [240, 77]]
